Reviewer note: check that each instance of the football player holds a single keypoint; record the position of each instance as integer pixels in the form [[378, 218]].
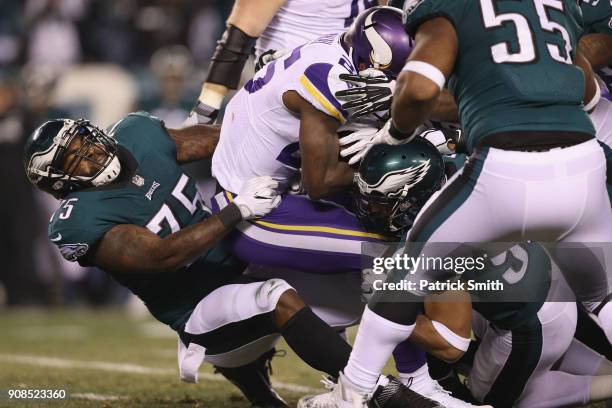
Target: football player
[[127, 207], [514, 326], [267, 25], [525, 132], [285, 119]]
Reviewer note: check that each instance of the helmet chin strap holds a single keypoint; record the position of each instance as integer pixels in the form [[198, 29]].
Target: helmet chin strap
[[109, 174]]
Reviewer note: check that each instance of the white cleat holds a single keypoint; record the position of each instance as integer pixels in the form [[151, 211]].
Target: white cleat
[[443, 397], [341, 396]]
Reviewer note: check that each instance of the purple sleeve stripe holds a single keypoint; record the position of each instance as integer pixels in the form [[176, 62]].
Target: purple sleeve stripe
[[317, 74]]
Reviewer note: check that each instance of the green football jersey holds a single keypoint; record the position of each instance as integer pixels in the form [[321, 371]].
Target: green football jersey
[[153, 192], [514, 70], [597, 16], [525, 273]]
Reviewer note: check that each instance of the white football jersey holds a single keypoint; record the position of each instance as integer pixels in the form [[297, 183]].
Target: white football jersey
[[259, 135], [300, 21]]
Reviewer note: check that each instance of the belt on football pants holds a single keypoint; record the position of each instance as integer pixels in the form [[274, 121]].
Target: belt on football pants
[[531, 141]]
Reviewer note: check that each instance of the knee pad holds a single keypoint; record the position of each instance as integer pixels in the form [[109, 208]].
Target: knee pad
[[269, 293]]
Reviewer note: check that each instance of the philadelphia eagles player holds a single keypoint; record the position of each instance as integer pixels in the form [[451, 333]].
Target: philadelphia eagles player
[[522, 336], [533, 147], [127, 207]]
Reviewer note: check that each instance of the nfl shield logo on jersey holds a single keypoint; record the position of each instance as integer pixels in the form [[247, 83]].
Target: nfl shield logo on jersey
[[72, 252], [138, 180]]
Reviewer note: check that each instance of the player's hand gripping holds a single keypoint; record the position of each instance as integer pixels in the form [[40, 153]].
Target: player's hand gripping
[[367, 138], [258, 197], [371, 92], [201, 114], [269, 56]]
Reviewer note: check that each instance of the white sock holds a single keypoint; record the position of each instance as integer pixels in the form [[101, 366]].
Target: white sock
[[420, 381], [376, 339]]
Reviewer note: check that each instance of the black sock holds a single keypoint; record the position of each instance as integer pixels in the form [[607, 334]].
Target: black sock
[[315, 342]]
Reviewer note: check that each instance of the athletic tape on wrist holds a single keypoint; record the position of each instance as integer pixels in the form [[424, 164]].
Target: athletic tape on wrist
[[427, 70], [398, 134], [591, 105], [230, 216], [458, 342]]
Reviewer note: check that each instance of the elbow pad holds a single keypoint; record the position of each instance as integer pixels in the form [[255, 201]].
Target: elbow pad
[[231, 54]]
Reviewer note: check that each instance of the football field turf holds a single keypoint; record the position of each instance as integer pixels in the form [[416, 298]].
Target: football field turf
[[106, 359]]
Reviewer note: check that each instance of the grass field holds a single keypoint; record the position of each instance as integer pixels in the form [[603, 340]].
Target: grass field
[[105, 359]]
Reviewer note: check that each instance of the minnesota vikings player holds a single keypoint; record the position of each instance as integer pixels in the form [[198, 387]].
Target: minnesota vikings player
[[286, 119]]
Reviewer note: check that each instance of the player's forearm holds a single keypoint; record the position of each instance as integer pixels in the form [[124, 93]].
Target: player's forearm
[[322, 182], [134, 249], [597, 49], [195, 142], [446, 110], [183, 247], [413, 103]]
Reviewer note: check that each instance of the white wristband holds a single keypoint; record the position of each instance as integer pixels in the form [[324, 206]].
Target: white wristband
[[591, 105], [458, 342], [427, 70]]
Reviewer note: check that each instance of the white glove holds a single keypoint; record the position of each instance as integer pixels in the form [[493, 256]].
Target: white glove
[[440, 139], [356, 142], [360, 149], [258, 197]]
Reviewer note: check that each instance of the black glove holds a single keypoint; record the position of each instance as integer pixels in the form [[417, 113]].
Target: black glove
[[267, 57], [371, 93]]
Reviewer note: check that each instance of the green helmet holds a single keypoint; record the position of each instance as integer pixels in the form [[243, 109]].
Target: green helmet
[[394, 182], [45, 150]]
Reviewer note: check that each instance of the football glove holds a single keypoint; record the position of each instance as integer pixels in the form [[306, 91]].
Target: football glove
[[201, 114], [445, 140], [366, 141], [371, 92], [258, 197], [267, 57], [355, 142]]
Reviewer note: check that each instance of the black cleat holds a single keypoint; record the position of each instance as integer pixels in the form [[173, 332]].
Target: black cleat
[[254, 381], [396, 395]]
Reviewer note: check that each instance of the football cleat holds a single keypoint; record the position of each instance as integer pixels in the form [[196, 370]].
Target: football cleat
[[254, 381], [446, 399], [389, 393], [342, 395]]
